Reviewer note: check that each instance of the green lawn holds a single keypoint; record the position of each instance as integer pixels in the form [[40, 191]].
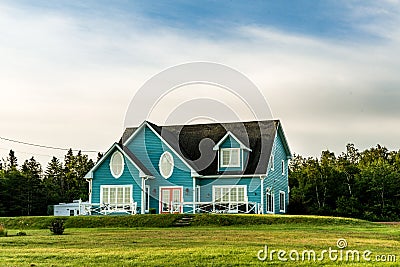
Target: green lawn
[[192, 246]]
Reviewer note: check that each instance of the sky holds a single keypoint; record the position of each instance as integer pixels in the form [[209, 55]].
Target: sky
[[69, 69]]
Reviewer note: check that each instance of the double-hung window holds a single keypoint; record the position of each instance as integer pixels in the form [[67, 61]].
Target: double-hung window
[[230, 157], [282, 200], [227, 194], [116, 195], [270, 201]]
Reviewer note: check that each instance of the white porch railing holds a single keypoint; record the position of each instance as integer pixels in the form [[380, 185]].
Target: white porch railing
[[110, 209], [220, 207]]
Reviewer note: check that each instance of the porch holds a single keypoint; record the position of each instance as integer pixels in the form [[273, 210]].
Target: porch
[[213, 207], [110, 209]]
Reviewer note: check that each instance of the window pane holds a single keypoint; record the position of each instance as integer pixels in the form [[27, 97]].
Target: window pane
[[234, 157], [165, 200], [270, 203], [117, 164], [113, 198], [127, 195], [176, 195], [120, 195], [240, 194], [234, 194], [272, 161], [217, 194], [282, 201], [105, 195], [225, 194], [225, 157], [166, 164]]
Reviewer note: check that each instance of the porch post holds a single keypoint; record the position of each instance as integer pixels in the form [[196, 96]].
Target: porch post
[[262, 194], [194, 195], [142, 206]]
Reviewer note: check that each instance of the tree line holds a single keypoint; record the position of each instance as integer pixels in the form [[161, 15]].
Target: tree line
[[355, 184], [28, 190]]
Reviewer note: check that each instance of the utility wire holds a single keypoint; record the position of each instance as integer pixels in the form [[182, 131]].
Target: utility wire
[[48, 147]]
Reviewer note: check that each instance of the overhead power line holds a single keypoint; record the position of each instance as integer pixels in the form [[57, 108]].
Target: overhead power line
[[48, 147]]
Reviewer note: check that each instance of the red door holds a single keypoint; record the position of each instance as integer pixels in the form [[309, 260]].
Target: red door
[[171, 200]]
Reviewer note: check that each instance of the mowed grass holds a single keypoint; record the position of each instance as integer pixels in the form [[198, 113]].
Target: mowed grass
[[193, 246]]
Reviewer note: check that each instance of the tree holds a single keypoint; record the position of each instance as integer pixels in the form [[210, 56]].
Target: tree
[[34, 193], [54, 182], [75, 168], [12, 161]]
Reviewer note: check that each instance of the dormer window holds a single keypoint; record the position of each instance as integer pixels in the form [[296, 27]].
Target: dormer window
[[230, 157]]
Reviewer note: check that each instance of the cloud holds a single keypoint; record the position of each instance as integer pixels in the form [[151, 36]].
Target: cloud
[[66, 79]]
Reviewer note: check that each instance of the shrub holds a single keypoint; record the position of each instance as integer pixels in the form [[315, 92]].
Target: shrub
[[3, 230], [57, 227]]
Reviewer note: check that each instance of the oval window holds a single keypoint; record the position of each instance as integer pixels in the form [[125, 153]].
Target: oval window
[[166, 164], [117, 164]]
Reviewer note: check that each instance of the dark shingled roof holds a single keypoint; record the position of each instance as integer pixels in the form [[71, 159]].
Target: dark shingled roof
[[195, 143]]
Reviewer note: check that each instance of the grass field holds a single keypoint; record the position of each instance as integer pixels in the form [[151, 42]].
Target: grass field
[[195, 246]]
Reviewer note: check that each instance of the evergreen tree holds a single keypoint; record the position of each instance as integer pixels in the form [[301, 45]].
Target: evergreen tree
[[35, 198], [12, 161], [54, 182]]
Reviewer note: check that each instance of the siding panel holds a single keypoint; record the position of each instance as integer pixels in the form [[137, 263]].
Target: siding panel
[[148, 148]]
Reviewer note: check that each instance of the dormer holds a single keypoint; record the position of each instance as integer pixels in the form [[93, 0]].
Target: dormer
[[232, 153]]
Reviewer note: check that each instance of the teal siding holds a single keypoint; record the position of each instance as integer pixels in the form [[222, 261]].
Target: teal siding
[[102, 176], [230, 142], [253, 186], [275, 180], [148, 148]]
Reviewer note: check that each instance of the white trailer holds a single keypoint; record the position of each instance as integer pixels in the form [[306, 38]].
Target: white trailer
[[76, 208]]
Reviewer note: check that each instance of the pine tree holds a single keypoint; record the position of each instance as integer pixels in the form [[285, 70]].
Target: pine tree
[[12, 161], [35, 201]]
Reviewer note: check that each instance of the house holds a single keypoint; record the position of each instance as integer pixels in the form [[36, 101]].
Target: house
[[239, 167]]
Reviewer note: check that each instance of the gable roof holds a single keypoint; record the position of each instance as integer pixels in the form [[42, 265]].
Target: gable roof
[[127, 154], [216, 147], [195, 143]]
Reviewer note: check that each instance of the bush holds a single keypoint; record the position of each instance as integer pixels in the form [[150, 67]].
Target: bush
[[21, 233], [57, 227], [3, 230]]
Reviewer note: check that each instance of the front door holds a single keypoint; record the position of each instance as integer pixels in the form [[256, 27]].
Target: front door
[[171, 200]]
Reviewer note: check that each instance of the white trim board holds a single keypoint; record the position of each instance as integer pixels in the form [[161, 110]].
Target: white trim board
[[89, 175], [229, 133]]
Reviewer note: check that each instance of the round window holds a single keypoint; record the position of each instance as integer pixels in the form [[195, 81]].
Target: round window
[[117, 164], [166, 164]]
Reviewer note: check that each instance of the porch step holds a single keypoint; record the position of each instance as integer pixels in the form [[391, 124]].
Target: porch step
[[184, 221]]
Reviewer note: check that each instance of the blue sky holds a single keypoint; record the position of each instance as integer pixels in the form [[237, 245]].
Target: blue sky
[[329, 69]]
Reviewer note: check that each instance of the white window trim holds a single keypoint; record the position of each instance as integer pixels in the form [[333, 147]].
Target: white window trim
[[272, 159], [242, 146], [115, 186], [284, 201], [229, 187], [123, 164], [283, 166], [172, 163], [266, 201], [160, 188], [229, 165]]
